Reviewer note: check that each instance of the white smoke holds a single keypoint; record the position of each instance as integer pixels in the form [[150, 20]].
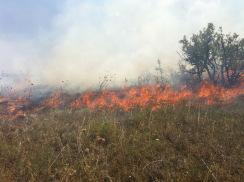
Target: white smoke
[[92, 38]]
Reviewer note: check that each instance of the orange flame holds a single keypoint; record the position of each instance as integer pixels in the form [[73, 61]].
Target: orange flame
[[147, 96], [153, 96]]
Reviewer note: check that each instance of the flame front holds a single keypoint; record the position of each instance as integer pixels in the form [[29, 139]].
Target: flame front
[[148, 96], [154, 96]]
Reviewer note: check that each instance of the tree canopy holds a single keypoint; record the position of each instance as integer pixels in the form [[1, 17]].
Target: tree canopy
[[211, 54]]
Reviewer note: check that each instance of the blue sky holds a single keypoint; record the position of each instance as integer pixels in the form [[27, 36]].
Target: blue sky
[[80, 40], [27, 17]]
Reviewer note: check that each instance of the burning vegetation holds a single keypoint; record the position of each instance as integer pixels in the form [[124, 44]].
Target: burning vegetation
[[211, 72], [175, 141], [151, 97], [147, 132]]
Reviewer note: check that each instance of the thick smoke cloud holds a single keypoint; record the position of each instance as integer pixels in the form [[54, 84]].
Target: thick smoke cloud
[[91, 38]]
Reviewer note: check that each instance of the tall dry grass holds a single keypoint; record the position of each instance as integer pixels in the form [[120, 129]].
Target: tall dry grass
[[176, 143]]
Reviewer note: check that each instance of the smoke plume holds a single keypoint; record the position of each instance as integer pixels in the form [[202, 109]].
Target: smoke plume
[[89, 39]]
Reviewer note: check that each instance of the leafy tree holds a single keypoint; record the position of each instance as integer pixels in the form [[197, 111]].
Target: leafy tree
[[214, 55], [231, 55]]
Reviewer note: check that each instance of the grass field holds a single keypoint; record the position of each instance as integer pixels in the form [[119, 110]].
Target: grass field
[[175, 143]]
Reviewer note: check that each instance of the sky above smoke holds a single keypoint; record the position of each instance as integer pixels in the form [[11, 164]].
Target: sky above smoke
[[79, 41]]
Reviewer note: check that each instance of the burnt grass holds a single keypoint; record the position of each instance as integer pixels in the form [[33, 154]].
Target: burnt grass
[[175, 143]]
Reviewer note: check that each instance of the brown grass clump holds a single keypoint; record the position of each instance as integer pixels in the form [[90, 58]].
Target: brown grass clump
[[176, 143]]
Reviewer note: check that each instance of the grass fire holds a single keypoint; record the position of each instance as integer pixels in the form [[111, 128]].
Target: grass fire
[[151, 97], [60, 120]]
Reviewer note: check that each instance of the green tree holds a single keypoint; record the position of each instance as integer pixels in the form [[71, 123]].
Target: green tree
[[231, 55], [213, 55]]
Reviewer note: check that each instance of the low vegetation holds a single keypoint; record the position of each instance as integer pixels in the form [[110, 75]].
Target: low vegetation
[[175, 143]]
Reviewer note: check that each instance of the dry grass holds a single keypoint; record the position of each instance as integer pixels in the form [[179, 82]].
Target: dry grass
[[174, 144]]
